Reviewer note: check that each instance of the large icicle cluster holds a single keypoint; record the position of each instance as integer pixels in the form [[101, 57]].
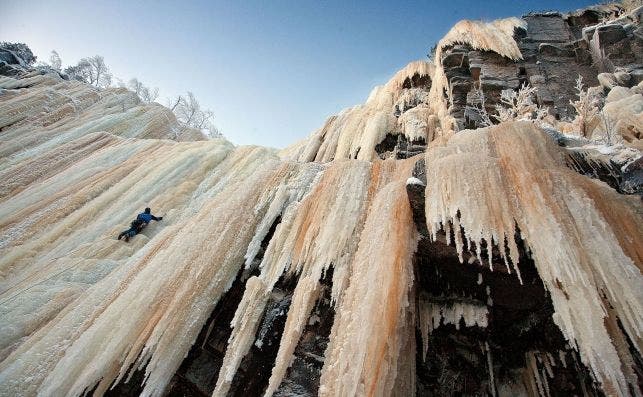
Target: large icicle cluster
[[355, 132], [81, 311], [325, 230], [585, 238]]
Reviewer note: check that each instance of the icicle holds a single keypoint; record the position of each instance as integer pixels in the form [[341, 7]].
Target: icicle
[[535, 374], [371, 324], [490, 368], [432, 315], [547, 366], [552, 362], [561, 357], [425, 322], [355, 132]]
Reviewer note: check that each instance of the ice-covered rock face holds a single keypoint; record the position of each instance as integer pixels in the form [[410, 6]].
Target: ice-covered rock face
[[307, 259]]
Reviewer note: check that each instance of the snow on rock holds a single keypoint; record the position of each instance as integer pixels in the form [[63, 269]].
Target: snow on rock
[[414, 181], [623, 116], [496, 36]]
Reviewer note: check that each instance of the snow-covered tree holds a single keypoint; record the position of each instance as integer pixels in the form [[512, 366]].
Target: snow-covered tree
[[514, 105], [189, 113], [21, 50], [519, 105], [54, 61], [587, 107], [92, 70], [99, 75], [212, 130], [476, 109], [149, 95], [145, 93], [135, 85], [80, 71]]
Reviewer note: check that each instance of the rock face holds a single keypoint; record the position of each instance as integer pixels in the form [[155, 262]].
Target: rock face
[[389, 253], [555, 49]]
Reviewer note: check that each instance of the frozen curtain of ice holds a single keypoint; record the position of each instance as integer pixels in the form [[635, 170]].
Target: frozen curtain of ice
[[79, 309]]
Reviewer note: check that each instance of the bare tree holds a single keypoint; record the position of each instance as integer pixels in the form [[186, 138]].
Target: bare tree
[[213, 131], [189, 114], [149, 95], [188, 110], [135, 86], [99, 74], [92, 70], [54, 61], [586, 107], [145, 93], [609, 134], [174, 103]]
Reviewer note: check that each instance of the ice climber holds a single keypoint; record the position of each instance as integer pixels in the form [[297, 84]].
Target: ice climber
[[139, 223]]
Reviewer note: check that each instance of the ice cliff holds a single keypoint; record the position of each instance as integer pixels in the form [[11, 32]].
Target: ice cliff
[[401, 249]]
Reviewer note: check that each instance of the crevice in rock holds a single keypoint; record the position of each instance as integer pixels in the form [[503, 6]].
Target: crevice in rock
[[399, 147], [387, 145], [519, 328], [624, 179], [253, 374], [302, 378], [418, 81]]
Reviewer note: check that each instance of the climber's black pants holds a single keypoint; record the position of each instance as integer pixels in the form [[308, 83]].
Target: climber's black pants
[[129, 233]]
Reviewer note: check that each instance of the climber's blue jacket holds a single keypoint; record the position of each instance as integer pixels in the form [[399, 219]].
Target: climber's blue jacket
[[138, 224], [147, 217]]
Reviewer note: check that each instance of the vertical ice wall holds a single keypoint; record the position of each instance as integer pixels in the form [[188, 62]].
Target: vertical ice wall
[[150, 307], [322, 231], [69, 287], [372, 344]]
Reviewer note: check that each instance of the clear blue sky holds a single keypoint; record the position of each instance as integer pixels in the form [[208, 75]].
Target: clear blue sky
[[272, 71]]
